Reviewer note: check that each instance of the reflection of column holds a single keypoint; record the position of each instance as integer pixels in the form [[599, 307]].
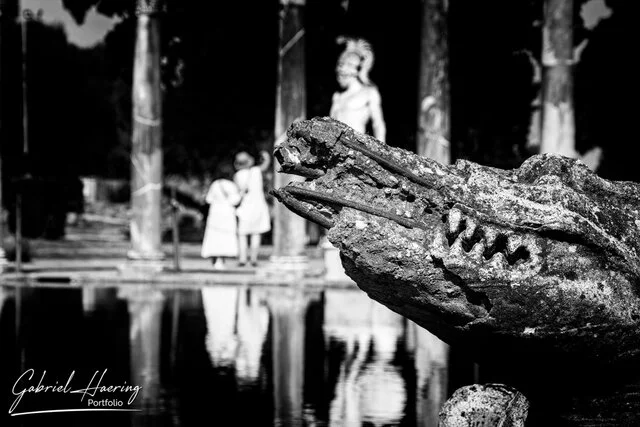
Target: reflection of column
[[430, 357], [96, 297], [18, 327], [4, 361], [175, 328], [288, 308], [145, 318], [289, 231], [369, 389], [3, 296], [146, 141]]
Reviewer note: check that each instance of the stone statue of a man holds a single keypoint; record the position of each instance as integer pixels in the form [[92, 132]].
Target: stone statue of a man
[[359, 100]]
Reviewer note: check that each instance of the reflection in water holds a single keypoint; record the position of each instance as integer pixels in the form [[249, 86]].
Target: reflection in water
[[97, 299], [145, 312], [3, 295], [237, 324], [370, 388], [229, 355], [288, 311], [252, 328], [220, 309], [430, 355]]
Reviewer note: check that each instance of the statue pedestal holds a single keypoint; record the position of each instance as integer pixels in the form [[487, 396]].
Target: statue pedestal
[[334, 271]]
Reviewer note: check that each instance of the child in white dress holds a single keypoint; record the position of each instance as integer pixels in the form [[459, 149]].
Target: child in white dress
[[253, 212], [220, 236]]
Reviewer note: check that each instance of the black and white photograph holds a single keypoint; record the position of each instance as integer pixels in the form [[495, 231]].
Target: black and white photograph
[[319, 213]]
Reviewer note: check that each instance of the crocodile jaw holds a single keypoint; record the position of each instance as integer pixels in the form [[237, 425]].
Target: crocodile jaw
[[414, 236]]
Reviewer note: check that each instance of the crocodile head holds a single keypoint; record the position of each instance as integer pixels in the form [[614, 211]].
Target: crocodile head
[[546, 256]]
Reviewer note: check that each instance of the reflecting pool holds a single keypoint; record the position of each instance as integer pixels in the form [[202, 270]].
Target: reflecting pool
[[217, 355]]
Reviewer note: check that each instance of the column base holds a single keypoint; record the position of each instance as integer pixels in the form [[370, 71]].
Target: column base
[[142, 264], [4, 263], [140, 294], [145, 256], [285, 268]]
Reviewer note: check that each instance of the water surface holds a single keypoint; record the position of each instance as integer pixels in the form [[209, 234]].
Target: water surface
[[219, 355]]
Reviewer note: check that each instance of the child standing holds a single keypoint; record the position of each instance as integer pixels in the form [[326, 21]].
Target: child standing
[[220, 236], [253, 212]]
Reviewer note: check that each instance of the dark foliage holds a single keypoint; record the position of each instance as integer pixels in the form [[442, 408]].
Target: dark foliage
[[219, 75]]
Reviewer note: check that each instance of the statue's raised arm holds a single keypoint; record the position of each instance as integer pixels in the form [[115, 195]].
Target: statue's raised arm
[[544, 257]]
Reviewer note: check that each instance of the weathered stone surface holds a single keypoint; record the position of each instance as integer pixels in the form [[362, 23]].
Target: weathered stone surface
[[488, 405], [545, 257]]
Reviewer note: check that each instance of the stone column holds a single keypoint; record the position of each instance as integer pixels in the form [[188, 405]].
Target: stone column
[[3, 258], [558, 127], [146, 143], [434, 108], [289, 233]]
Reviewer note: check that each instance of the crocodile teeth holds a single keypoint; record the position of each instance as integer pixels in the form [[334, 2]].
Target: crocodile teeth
[[439, 245], [471, 227], [477, 251], [456, 249], [455, 216], [513, 243], [498, 261], [490, 236]]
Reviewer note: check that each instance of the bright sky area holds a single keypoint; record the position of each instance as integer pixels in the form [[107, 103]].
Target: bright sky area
[[96, 26]]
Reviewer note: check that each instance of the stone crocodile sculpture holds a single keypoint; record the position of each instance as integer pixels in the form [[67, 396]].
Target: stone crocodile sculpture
[[543, 258]]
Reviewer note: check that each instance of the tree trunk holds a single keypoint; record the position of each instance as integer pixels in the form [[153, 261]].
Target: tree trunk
[[146, 145], [434, 109], [558, 133], [289, 229]]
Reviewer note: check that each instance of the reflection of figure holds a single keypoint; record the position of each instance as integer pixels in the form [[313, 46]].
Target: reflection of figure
[[237, 324], [383, 390], [252, 328], [253, 212], [359, 102], [369, 388], [220, 309], [430, 359], [220, 239]]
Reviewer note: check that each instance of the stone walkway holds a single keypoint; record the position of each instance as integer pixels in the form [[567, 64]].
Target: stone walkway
[[100, 259]]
